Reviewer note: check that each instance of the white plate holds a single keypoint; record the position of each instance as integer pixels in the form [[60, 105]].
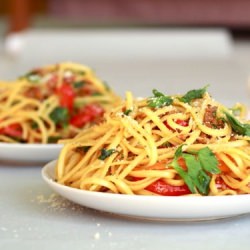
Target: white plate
[[29, 153], [153, 207]]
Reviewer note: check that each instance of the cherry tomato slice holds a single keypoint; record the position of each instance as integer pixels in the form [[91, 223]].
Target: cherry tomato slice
[[167, 125], [88, 114], [80, 120], [94, 110], [182, 122], [222, 165], [220, 184], [14, 130], [179, 122], [162, 188], [66, 95]]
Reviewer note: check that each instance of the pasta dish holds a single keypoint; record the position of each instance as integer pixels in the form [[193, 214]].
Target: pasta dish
[[51, 103], [162, 145]]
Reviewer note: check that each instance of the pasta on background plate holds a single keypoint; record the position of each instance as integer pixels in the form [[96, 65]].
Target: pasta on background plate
[[51, 103], [162, 145]]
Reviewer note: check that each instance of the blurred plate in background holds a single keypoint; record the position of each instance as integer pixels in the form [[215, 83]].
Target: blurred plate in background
[[29, 153]]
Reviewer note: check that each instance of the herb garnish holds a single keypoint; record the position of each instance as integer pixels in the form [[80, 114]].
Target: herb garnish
[[193, 94], [60, 116], [34, 125], [237, 126], [127, 111], [198, 165], [32, 76], [54, 139], [78, 84], [106, 153], [159, 100]]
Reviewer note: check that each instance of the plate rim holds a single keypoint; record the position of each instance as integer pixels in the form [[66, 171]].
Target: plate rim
[[166, 201]]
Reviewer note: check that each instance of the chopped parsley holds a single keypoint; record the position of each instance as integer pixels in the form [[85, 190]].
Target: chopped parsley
[[34, 125], [159, 100], [127, 111], [237, 126], [199, 166], [60, 116], [193, 94], [105, 153], [32, 76], [54, 139], [78, 84]]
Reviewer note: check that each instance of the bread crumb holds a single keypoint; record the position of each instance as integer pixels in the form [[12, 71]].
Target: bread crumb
[[57, 203]]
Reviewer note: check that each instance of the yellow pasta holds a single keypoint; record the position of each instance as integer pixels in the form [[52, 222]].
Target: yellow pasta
[[51, 103], [162, 145]]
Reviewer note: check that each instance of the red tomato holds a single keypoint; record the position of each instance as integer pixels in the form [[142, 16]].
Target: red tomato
[[167, 125], [182, 163], [94, 110], [178, 121], [162, 164], [220, 184], [182, 122], [14, 130], [80, 120], [158, 166], [88, 114], [162, 188], [66, 95], [222, 166]]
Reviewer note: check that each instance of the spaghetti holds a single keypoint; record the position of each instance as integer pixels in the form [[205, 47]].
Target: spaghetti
[[162, 145], [51, 103]]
